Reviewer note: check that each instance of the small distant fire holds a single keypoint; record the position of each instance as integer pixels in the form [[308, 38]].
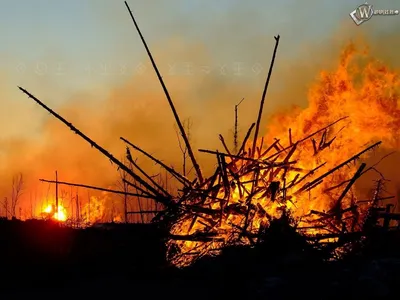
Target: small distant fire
[[51, 211]]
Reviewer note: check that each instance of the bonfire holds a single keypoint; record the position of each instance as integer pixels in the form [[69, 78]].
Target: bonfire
[[305, 175]]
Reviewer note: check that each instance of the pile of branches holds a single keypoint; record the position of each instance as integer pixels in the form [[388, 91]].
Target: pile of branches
[[248, 190]]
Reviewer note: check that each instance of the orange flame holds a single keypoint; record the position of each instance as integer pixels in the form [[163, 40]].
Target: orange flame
[[364, 90], [61, 215]]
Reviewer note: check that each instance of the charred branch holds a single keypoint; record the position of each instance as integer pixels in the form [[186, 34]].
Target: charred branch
[[320, 178], [96, 188], [159, 197], [170, 102], [235, 132], [178, 176], [260, 111], [130, 159]]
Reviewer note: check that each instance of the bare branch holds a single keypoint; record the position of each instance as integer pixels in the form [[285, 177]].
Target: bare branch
[[171, 104], [260, 111], [17, 186]]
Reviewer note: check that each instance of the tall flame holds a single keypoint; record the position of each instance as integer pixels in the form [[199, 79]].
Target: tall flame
[[361, 88]]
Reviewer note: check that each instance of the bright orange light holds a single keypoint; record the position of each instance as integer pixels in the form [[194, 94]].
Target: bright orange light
[[361, 88], [61, 215], [48, 209]]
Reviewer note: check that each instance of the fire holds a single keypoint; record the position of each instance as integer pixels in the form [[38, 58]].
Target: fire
[[61, 215], [364, 94], [85, 212]]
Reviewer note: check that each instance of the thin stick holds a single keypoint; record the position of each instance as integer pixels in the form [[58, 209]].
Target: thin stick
[[319, 179], [349, 185], [363, 172], [88, 194], [307, 137], [246, 138], [143, 212], [134, 185], [261, 161], [171, 104], [169, 169], [95, 188], [56, 193], [130, 159], [235, 133], [221, 138], [260, 111], [98, 147]]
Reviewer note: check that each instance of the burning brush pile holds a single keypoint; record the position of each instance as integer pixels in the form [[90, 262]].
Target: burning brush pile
[[257, 185], [300, 178]]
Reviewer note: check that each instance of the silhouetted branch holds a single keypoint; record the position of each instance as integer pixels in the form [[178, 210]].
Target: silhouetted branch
[[156, 194], [178, 176], [235, 132], [95, 188], [260, 111], [171, 104]]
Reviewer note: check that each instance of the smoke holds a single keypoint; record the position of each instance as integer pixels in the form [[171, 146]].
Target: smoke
[[206, 74]]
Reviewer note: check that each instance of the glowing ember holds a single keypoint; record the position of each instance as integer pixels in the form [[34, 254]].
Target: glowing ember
[[61, 215]]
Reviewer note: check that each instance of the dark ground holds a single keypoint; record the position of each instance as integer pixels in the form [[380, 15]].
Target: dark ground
[[42, 259]]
